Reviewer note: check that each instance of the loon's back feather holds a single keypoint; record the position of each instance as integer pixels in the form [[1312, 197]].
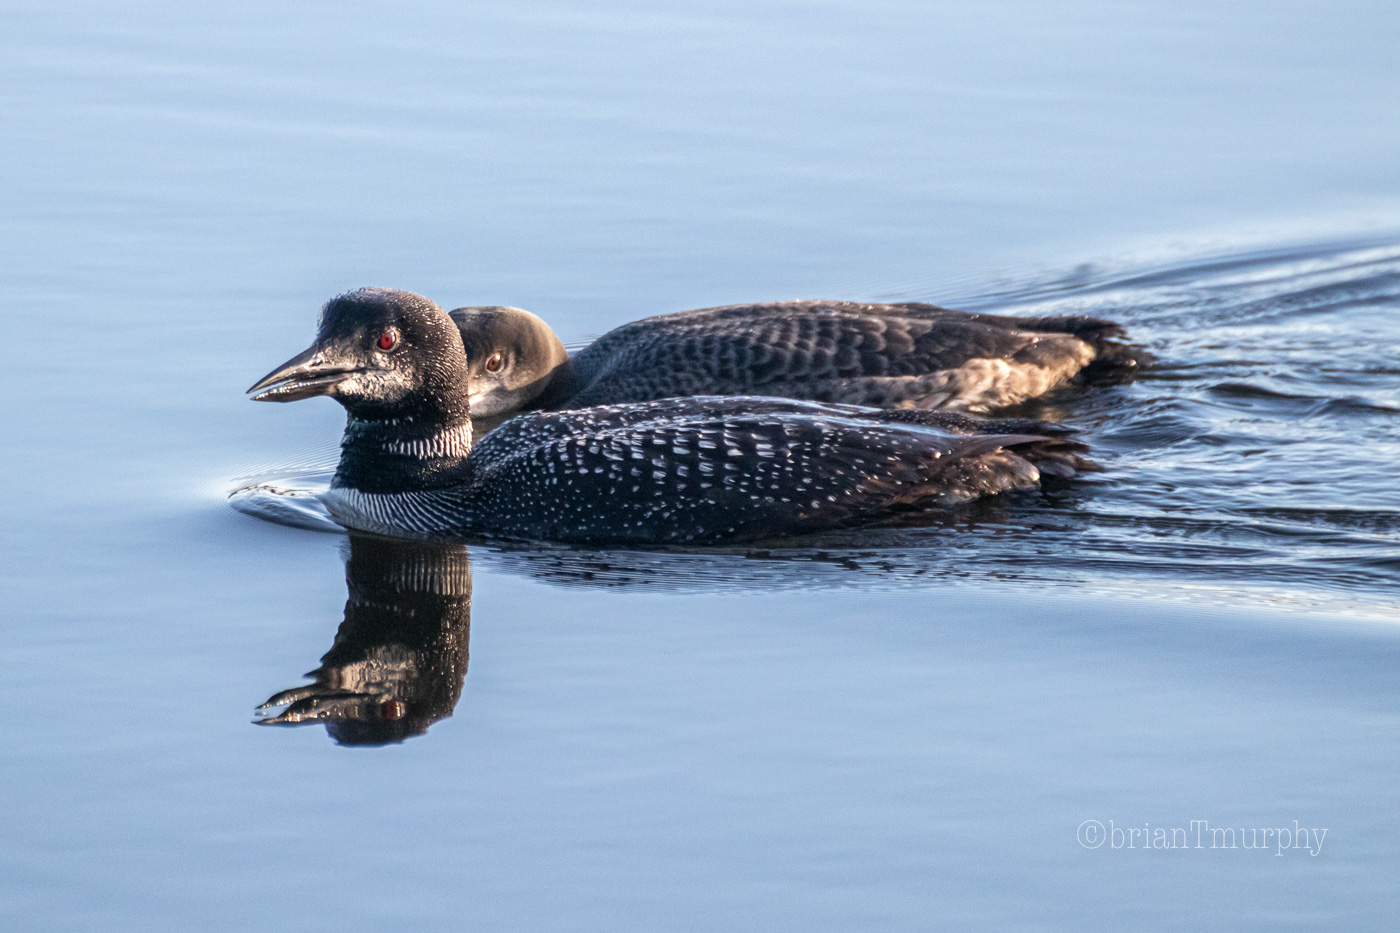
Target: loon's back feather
[[909, 355], [686, 470]]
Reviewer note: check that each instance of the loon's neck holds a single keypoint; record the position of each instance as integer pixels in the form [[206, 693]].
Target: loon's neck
[[404, 454], [559, 385]]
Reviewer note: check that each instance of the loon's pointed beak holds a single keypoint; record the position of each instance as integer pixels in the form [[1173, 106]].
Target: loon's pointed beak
[[305, 375], [287, 697], [321, 703], [312, 703]]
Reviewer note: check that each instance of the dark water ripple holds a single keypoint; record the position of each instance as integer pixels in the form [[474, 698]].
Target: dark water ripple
[[1257, 454]]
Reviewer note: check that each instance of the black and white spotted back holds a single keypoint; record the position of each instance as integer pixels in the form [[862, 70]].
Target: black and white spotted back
[[686, 470]]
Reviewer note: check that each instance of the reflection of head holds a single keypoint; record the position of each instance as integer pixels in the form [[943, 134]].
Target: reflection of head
[[400, 656]]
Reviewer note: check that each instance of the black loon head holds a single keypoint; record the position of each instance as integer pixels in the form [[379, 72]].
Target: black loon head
[[394, 360], [382, 353], [515, 360]]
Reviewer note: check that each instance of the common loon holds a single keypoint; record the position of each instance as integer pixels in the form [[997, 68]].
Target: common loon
[[882, 355], [689, 470]]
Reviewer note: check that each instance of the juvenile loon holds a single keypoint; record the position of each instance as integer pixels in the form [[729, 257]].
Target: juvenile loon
[[690, 470], [882, 355]]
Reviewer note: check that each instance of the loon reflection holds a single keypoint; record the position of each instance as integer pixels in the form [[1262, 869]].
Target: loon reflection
[[400, 657]]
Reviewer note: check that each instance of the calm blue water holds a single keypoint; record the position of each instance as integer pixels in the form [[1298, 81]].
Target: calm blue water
[[881, 730]]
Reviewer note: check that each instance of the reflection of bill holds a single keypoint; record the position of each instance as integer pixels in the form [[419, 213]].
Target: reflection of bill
[[400, 656]]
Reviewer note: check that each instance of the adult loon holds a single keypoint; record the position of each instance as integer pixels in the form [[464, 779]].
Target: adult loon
[[690, 470], [882, 355]]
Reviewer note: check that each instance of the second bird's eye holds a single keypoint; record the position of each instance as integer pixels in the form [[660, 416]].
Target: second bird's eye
[[387, 340], [494, 362]]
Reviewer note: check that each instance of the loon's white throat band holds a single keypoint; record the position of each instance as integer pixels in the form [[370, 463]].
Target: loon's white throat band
[[453, 443]]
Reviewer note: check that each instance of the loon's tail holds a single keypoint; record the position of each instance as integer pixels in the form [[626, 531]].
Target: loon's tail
[[959, 423], [985, 466], [1092, 330], [1114, 361], [1056, 456], [1050, 447]]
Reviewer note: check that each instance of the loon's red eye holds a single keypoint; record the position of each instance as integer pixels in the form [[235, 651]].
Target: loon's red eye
[[387, 340], [393, 709]]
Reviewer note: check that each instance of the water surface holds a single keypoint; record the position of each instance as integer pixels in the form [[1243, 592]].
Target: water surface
[[880, 730]]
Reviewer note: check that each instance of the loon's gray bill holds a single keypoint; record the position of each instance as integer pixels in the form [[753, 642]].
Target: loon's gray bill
[[303, 376]]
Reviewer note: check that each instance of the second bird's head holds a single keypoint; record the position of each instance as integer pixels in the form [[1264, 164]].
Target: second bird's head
[[380, 352]]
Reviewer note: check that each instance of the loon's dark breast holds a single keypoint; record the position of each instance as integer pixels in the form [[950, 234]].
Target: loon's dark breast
[[713, 469], [908, 355]]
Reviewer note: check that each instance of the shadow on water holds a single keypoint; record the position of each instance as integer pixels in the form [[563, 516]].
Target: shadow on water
[[1255, 455], [400, 657]]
